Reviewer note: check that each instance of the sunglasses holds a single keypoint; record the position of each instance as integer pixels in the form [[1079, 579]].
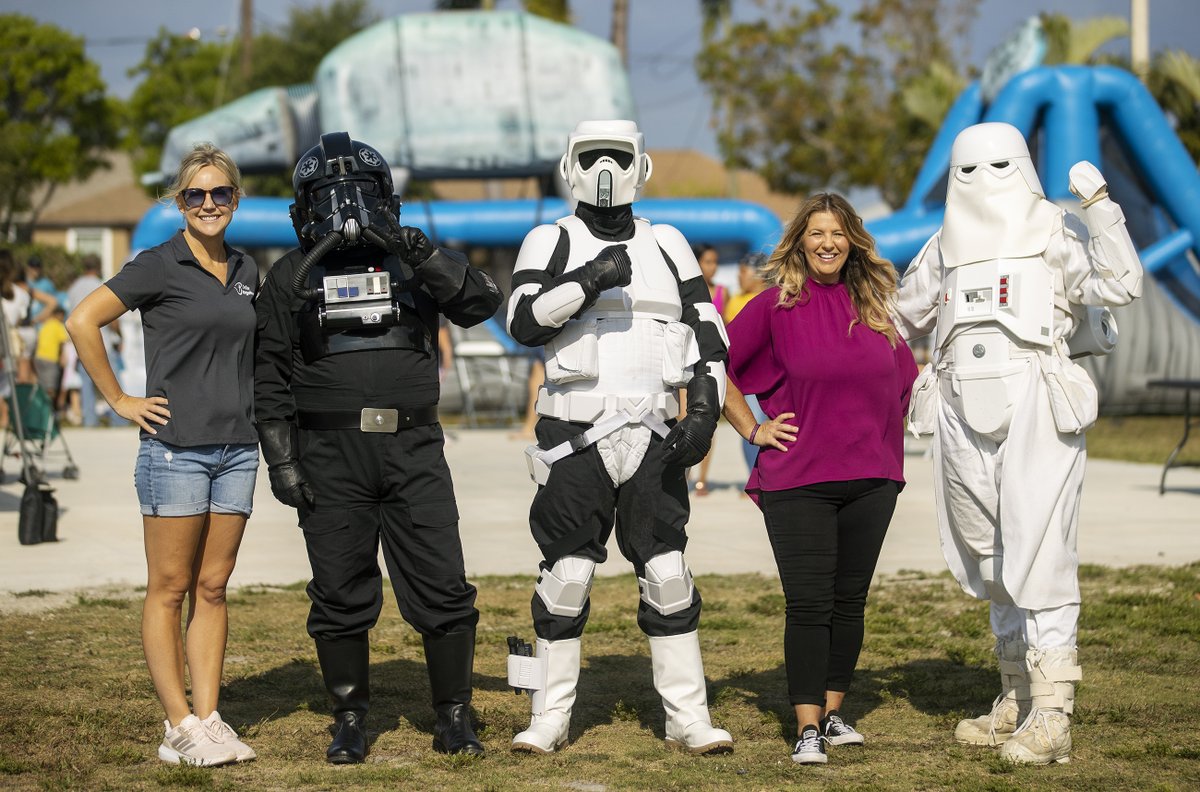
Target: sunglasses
[[193, 197]]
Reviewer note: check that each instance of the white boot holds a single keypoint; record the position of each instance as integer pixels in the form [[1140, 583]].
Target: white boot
[[998, 725], [679, 679], [1045, 735], [547, 731]]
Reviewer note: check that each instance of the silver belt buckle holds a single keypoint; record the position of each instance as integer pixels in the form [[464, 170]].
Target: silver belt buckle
[[379, 420]]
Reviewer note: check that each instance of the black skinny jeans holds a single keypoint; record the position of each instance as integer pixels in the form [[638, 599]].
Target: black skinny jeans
[[826, 538]]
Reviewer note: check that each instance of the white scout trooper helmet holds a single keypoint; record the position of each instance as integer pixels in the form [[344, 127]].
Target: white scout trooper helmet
[[606, 163], [995, 207]]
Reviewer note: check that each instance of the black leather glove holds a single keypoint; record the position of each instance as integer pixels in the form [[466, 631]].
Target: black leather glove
[[417, 247], [288, 485], [610, 268], [689, 440]]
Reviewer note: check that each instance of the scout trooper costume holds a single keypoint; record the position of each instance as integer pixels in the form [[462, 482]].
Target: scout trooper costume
[[626, 320], [1012, 291]]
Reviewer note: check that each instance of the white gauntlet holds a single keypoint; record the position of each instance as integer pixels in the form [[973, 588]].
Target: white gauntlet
[[1110, 247]]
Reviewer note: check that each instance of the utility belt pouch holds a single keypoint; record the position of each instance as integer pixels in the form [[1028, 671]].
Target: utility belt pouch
[[680, 353], [922, 405], [574, 354], [539, 469], [1074, 400]]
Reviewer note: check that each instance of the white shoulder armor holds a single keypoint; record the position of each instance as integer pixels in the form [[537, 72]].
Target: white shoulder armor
[[677, 247]]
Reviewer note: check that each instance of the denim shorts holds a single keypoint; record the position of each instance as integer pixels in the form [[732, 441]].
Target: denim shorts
[[181, 481]]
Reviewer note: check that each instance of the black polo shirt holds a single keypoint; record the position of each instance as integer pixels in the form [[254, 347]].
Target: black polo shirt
[[199, 337]]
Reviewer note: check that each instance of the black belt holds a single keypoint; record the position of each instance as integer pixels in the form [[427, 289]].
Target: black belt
[[369, 419]]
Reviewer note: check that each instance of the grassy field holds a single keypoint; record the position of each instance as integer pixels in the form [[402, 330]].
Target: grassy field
[[77, 710], [1141, 438]]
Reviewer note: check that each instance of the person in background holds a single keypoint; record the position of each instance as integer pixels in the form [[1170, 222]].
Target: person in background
[[48, 357], [832, 371], [706, 256], [750, 284], [198, 457], [87, 282]]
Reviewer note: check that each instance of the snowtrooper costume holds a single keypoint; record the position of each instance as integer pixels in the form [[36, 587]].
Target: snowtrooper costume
[[1012, 287], [626, 320]]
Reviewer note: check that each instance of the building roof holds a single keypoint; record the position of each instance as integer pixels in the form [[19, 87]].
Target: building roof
[[110, 197]]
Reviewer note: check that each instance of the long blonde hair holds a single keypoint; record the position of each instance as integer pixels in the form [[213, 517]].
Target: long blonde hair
[[869, 278], [202, 155]]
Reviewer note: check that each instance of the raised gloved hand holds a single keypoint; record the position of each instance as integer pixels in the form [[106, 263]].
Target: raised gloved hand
[[1087, 183], [288, 484], [610, 268], [689, 440], [417, 247]]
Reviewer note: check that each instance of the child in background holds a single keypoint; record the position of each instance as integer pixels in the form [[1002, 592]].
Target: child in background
[[48, 357]]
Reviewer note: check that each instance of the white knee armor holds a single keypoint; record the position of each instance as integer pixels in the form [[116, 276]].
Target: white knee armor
[[565, 587], [667, 586]]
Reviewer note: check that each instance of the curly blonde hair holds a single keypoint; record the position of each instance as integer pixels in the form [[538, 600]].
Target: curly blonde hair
[[870, 279]]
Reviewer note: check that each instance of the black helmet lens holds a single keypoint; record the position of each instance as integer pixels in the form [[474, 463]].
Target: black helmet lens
[[589, 158]]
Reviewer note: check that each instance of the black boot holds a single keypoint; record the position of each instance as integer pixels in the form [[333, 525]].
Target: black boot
[[449, 660], [345, 666]]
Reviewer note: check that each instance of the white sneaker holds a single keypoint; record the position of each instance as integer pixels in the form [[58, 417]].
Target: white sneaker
[[837, 732], [810, 748], [221, 732], [189, 743]]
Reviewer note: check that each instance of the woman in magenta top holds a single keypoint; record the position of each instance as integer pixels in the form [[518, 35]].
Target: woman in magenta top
[[819, 351]]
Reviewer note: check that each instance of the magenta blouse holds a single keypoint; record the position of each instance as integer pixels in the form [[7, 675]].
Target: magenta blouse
[[849, 390]]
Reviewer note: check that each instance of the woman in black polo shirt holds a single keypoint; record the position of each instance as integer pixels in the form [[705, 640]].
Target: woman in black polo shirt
[[198, 457]]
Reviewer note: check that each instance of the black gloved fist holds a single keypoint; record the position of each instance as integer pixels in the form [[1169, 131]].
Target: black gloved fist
[[689, 440], [417, 247], [289, 486], [610, 268], [279, 446]]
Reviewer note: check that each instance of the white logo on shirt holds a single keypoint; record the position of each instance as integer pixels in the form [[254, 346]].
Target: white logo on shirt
[[242, 290]]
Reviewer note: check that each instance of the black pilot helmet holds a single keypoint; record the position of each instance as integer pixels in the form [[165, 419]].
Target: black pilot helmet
[[339, 184]]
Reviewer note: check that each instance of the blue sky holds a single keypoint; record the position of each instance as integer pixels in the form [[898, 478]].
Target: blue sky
[[673, 109]]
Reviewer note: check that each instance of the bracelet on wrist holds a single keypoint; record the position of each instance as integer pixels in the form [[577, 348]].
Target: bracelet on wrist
[[754, 432]]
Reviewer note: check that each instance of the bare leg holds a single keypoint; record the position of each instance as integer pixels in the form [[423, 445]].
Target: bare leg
[[537, 375], [702, 479], [812, 713], [208, 616], [171, 544]]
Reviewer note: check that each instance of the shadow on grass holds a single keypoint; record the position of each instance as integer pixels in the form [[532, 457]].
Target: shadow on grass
[[935, 686]]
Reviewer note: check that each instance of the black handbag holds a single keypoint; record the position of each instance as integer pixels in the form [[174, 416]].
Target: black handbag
[[38, 520]]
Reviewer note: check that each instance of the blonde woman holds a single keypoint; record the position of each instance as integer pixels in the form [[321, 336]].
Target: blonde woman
[[198, 456], [819, 351]]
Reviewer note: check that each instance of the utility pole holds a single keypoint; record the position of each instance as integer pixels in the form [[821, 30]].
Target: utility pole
[[620, 30], [1139, 37], [247, 38]]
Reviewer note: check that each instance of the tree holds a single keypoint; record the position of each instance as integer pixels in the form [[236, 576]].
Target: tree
[[180, 80], [55, 120], [807, 106], [1175, 83], [184, 77]]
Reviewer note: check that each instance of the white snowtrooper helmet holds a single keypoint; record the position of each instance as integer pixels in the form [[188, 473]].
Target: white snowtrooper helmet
[[606, 163], [995, 149]]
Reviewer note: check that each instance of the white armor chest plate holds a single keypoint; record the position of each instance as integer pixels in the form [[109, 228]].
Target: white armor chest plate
[[630, 342], [1012, 296]]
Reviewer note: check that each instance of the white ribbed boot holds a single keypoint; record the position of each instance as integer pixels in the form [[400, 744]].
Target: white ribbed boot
[[679, 679], [998, 725], [547, 731], [1045, 735]]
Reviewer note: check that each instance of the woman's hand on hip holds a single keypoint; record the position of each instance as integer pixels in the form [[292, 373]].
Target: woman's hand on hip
[[775, 432], [143, 412]]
